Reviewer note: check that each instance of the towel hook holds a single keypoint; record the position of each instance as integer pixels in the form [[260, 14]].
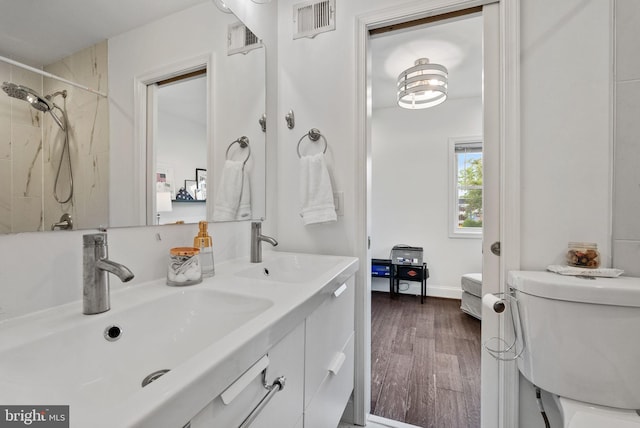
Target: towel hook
[[314, 135], [290, 118], [243, 142]]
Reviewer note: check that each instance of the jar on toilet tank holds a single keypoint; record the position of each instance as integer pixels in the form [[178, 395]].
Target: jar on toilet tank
[[583, 255], [184, 266]]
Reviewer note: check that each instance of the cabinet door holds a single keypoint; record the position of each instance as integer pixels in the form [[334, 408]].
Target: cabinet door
[[327, 331], [285, 408]]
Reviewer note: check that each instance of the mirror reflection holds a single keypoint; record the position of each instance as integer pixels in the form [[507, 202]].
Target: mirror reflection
[[76, 148], [180, 143]]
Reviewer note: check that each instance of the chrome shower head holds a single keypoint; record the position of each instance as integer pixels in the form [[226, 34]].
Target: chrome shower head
[[27, 94]]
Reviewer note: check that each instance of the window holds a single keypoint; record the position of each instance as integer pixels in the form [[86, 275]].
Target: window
[[466, 187]]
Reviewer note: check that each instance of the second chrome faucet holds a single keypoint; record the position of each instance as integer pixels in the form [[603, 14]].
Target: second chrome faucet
[[256, 241]]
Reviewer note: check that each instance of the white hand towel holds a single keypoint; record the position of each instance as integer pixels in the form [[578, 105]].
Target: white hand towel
[[244, 208], [227, 197], [316, 194]]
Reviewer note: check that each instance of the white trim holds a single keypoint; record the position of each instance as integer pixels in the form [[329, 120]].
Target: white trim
[[142, 180], [510, 184], [507, 376], [612, 127], [454, 231]]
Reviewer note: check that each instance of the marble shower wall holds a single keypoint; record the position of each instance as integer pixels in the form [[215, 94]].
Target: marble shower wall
[[31, 145], [21, 207], [88, 116]]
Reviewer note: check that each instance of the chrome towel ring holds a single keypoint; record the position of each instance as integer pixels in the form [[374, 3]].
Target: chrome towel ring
[[243, 142], [314, 135]]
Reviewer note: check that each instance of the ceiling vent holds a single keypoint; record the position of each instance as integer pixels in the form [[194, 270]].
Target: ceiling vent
[[240, 39], [314, 17]]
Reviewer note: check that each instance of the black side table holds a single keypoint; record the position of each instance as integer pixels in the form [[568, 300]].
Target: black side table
[[383, 268], [410, 273]]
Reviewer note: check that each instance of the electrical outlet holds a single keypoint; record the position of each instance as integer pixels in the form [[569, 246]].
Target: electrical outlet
[[338, 202]]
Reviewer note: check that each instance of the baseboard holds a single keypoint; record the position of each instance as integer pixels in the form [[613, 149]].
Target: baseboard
[[446, 292], [384, 422]]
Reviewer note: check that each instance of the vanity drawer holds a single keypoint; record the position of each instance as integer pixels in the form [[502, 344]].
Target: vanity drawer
[[326, 408], [327, 330], [283, 410]]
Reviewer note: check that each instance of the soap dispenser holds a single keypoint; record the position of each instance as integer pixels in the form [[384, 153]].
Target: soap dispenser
[[204, 242]]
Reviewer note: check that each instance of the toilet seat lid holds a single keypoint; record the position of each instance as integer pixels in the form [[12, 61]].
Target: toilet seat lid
[[577, 414]]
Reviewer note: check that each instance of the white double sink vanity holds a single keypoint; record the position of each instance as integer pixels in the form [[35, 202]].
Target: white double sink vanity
[[208, 354]]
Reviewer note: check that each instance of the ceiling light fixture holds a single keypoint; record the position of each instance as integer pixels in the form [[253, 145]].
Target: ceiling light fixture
[[423, 85]]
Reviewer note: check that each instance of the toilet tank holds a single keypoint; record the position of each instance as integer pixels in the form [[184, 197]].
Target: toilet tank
[[582, 336]]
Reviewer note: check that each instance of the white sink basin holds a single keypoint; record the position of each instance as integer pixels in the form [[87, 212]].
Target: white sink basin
[[291, 268], [77, 365]]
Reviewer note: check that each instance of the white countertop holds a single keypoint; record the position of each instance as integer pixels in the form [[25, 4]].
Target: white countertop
[[188, 387]]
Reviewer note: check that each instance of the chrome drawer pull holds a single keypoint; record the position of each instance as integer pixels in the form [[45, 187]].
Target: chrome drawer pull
[[276, 386]]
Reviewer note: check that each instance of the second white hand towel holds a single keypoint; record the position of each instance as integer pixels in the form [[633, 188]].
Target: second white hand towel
[[316, 193], [227, 198]]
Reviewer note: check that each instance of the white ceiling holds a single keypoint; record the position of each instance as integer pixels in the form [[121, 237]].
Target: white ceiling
[[40, 32], [186, 99], [456, 44]]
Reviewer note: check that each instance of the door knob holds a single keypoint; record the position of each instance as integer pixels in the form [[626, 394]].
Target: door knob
[[495, 248]]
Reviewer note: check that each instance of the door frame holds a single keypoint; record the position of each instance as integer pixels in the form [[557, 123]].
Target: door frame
[[499, 379]]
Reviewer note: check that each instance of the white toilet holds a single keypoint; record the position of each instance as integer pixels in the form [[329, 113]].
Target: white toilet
[[582, 343]]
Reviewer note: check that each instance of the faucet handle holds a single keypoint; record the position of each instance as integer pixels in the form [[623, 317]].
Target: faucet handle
[[65, 223], [94, 239]]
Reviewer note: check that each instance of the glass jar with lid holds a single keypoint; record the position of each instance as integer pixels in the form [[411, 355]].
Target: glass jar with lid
[[583, 255], [184, 266]]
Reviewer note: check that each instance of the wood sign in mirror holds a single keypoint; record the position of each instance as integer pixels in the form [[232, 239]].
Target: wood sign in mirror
[[105, 154]]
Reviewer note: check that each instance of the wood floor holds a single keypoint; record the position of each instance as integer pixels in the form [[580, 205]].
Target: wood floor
[[425, 362]]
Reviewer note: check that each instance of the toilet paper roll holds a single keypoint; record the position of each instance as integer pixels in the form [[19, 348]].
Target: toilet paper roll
[[494, 303]]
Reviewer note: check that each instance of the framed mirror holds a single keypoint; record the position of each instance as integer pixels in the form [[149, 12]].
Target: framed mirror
[[105, 157]]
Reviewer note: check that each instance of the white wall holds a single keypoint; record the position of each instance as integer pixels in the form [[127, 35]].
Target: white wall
[[626, 227], [566, 128], [566, 77], [410, 188]]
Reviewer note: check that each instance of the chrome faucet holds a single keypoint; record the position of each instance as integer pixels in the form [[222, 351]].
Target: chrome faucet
[[96, 265], [256, 238]]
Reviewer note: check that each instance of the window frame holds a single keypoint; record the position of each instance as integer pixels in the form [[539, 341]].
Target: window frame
[[454, 230]]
